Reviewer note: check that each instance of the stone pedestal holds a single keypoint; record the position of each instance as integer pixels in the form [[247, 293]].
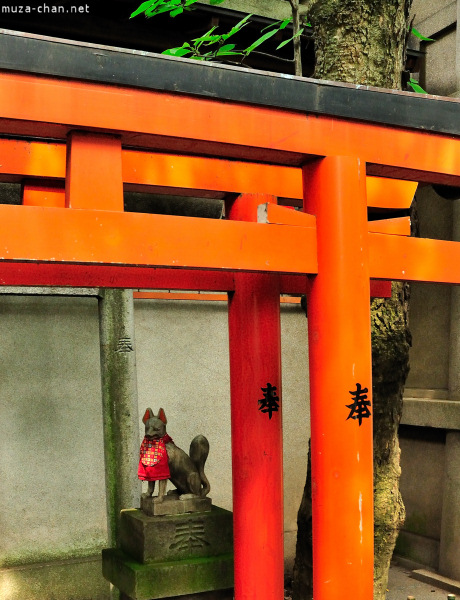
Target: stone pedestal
[[175, 505], [171, 555]]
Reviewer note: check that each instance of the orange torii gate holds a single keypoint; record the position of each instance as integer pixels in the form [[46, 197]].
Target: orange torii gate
[[81, 126]]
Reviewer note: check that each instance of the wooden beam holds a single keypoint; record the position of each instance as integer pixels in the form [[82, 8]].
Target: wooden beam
[[339, 340], [19, 273], [32, 159], [43, 193], [273, 214], [397, 226], [214, 127], [93, 171], [414, 259], [195, 172], [389, 193], [90, 236], [143, 170]]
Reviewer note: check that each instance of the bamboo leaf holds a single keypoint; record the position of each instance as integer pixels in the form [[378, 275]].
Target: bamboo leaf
[[416, 87], [260, 41], [207, 38], [181, 51], [290, 39], [421, 36], [237, 27], [227, 47], [227, 50], [143, 7], [271, 26], [285, 23], [162, 7], [176, 12]]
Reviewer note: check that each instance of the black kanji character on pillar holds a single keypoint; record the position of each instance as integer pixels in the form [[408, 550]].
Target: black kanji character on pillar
[[270, 401], [359, 408]]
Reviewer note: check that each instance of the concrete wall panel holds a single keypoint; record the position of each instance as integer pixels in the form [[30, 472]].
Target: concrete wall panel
[[52, 497]]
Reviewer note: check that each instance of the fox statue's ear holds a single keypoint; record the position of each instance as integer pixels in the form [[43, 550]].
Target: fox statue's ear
[[147, 415], [162, 416]]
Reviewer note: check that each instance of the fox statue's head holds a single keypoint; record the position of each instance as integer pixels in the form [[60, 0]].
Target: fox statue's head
[[155, 426]]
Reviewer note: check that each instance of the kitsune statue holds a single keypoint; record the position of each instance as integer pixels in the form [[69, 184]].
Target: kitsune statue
[[161, 459]]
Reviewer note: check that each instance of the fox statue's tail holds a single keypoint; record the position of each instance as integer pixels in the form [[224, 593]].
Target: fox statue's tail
[[199, 450]]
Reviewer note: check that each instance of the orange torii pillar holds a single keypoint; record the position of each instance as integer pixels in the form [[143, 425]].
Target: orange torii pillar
[[340, 382], [257, 460]]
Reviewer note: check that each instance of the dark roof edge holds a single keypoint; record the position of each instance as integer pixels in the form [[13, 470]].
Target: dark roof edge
[[105, 64]]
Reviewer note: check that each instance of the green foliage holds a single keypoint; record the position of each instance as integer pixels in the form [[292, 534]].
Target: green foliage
[[156, 7], [212, 45], [420, 36], [415, 86]]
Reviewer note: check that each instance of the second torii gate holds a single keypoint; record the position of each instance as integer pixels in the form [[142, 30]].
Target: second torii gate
[[76, 140]]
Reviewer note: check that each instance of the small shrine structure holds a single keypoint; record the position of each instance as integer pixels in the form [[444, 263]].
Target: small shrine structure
[[80, 123]]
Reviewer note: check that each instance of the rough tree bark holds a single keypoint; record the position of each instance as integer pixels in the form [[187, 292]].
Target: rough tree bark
[[363, 42]]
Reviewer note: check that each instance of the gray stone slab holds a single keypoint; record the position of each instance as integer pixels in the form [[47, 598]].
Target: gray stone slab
[[444, 414], [169, 578], [439, 17], [401, 584], [175, 505], [64, 579], [176, 537], [450, 585]]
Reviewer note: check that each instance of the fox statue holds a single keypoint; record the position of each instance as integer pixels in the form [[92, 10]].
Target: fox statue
[[160, 460]]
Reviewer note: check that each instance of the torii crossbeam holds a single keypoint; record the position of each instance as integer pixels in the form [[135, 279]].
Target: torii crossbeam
[[82, 126]]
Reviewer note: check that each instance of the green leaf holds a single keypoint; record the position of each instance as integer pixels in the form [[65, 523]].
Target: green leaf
[[271, 26], [290, 39], [416, 87], [237, 27], [227, 50], [220, 53], [260, 41], [181, 51], [176, 12], [143, 7], [227, 47], [420, 36], [285, 23], [277, 25], [206, 36], [162, 7]]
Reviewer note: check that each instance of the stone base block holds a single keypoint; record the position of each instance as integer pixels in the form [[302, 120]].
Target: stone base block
[[176, 537], [166, 579], [174, 505]]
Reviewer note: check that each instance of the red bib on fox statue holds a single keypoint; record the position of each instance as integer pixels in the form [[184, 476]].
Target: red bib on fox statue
[[153, 463]]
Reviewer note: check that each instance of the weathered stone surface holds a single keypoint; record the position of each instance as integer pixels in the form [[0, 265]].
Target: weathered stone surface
[[176, 537], [64, 579], [166, 579], [174, 505]]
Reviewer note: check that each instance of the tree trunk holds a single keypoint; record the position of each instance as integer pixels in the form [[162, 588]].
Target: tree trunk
[[363, 42], [390, 366]]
